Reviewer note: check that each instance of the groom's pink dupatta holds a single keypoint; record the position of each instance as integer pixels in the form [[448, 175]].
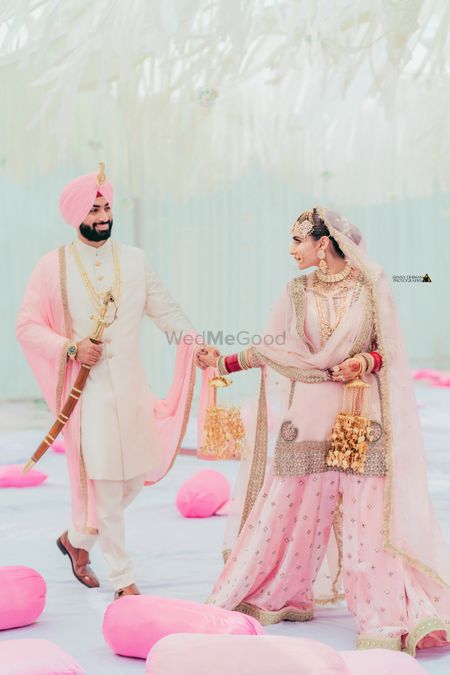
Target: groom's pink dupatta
[[44, 330], [410, 525]]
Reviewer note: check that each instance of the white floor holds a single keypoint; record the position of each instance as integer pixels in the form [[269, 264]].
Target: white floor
[[174, 557]]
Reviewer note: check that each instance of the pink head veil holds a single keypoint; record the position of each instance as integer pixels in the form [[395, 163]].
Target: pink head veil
[[410, 526]]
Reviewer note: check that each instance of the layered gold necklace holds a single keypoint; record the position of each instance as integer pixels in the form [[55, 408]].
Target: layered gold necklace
[[328, 282], [326, 327], [96, 297]]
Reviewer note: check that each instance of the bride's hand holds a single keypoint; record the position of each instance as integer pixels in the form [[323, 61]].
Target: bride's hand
[[346, 371], [207, 357]]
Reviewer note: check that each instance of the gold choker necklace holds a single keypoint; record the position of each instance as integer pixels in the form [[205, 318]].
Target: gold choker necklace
[[333, 278]]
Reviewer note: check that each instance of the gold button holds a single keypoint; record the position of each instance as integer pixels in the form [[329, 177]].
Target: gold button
[[100, 278], [98, 263], [109, 356], [108, 340]]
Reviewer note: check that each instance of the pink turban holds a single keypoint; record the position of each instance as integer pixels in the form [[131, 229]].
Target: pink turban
[[78, 196]]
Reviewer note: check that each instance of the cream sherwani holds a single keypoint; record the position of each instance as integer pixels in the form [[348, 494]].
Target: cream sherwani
[[119, 442], [118, 437]]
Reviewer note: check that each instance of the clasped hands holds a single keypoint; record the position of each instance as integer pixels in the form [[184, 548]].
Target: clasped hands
[[89, 353], [207, 357], [346, 371]]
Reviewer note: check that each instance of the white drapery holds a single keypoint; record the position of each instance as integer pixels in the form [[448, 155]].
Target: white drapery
[[347, 99]]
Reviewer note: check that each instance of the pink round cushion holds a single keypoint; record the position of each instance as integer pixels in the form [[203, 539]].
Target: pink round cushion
[[134, 623], [203, 494], [232, 654], [22, 596], [438, 378], [11, 475], [36, 657], [381, 662]]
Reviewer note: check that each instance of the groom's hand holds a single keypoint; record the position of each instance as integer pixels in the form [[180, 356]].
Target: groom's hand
[[89, 352], [207, 356]]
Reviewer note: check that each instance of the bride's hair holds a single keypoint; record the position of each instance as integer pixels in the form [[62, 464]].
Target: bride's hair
[[320, 229]]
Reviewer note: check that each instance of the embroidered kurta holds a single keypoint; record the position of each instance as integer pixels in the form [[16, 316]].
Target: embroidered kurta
[[302, 450]]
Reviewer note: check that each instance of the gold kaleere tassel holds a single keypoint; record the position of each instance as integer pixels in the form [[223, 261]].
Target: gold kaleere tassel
[[224, 433], [352, 431]]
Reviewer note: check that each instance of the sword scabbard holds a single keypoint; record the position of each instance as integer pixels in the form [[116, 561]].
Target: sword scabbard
[[76, 391]]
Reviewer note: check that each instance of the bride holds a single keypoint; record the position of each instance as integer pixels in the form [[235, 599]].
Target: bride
[[312, 531]]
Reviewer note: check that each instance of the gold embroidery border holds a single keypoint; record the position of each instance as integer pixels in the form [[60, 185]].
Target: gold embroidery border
[[226, 552], [386, 411], [187, 411], [62, 374], [61, 377], [291, 393], [422, 629], [267, 618], [376, 642], [64, 296], [363, 339], [67, 324], [297, 458], [336, 597], [84, 490], [296, 289], [338, 533], [308, 375], [258, 468]]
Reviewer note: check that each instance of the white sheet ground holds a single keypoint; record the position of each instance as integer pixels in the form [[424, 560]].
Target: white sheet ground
[[174, 557]]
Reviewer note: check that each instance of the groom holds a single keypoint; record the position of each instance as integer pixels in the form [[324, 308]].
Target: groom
[[118, 436]]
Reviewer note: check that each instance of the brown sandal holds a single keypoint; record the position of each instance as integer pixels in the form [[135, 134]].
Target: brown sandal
[[79, 559], [132, 589]]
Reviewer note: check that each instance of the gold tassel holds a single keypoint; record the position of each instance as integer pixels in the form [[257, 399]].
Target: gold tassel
[[224, 433], [352, 431]]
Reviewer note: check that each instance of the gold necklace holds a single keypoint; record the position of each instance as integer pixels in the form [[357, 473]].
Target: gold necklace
[[326, 329], [96, 297], [334, 278]]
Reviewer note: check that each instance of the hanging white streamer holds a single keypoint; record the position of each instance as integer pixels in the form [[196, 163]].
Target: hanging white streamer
[[345, 99]]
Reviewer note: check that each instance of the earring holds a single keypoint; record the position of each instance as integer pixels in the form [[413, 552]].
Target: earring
[[322, 263]]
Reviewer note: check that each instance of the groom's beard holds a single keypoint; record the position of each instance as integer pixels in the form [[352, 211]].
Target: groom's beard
[[91, 233]]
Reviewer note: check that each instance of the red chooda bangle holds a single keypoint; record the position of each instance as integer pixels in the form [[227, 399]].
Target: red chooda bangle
[[232, 363], [378, 361]]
